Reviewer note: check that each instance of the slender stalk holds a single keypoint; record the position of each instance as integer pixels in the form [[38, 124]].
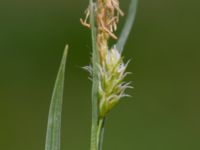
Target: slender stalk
[[100, 132], [95, 62]]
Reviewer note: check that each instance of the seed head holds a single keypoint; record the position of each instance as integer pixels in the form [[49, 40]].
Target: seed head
[[107, 18], [111, 69], [111, 81]]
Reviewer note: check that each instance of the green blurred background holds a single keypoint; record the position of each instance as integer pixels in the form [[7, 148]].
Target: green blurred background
[[164, 111]]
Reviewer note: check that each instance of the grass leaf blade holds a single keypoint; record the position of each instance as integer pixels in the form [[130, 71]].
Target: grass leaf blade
[[54, 119], [128, 25]]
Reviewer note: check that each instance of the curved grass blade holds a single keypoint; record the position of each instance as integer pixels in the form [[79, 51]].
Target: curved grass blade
[[54, 119], [128, 25]]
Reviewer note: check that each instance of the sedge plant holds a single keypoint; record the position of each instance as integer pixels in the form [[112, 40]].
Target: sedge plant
[[107, 70]]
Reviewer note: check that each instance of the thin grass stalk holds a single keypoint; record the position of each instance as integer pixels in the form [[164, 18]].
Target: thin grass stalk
[[95, 61], [100, 133]]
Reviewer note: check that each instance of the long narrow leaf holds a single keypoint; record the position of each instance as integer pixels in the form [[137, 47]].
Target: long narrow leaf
[[54, 119], [128, 25]]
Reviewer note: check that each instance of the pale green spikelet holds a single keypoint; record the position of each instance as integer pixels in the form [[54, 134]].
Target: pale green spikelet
[[112, 86]]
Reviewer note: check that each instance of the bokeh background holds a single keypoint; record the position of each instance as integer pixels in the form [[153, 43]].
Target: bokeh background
[[164, 111]]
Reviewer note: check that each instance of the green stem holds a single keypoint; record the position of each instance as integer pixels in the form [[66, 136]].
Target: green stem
[[97, 137], [100, 133], [95, 62]]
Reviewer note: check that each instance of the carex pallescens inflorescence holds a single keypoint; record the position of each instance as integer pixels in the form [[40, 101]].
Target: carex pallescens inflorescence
[[111, 69]]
